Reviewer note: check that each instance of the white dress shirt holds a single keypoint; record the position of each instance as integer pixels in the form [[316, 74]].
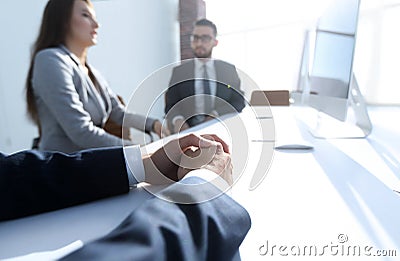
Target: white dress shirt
[[198, 84]]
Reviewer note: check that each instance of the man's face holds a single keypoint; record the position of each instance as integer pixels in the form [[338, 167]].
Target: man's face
[[203, 41]]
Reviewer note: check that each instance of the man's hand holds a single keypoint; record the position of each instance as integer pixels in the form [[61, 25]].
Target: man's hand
[[209, 117], [180, 125], [212, 158], [162, 166], [160, 130]]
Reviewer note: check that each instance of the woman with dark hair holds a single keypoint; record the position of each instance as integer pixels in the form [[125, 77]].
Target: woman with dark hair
[[66, 97]]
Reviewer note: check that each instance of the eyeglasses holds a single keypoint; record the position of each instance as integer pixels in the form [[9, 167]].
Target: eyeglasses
[[203, 38]]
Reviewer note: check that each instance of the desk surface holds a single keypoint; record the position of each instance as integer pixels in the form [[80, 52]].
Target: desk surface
[[341, 191], [337, 197]]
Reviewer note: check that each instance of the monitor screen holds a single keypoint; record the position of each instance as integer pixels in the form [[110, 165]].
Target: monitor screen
[[332, 64], [327, 64]]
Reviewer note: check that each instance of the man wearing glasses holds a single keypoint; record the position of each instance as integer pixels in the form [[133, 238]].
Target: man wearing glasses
[[201, 89]]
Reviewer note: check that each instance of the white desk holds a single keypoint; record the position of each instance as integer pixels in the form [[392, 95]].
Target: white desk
[[306, 200], [343, 187]]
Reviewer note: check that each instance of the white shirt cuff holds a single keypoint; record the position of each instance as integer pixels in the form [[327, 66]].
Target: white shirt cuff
[[134, 164], [215, 113], [178, 117], [209, 177]]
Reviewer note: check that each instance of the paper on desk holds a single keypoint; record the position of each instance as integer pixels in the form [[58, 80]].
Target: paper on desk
[[49, 255]]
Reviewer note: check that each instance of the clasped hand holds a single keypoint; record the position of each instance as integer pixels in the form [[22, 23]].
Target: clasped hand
[[179, 156]]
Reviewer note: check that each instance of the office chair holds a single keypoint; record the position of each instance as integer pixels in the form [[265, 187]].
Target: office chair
[[272, 98]]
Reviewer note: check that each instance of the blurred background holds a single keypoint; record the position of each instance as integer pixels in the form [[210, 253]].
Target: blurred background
[[263, 38]]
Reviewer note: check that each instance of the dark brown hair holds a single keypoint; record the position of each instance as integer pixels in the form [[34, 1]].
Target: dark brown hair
[[53, 31], [206, 22]]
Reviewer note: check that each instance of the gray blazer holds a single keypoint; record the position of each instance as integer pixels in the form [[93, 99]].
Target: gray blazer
[[72, 112]]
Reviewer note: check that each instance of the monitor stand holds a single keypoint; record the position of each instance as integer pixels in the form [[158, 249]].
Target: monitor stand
[[356, 125]]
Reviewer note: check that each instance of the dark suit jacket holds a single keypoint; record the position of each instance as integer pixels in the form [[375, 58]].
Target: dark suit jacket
[[32, 182], [181, 86], [161, 230]]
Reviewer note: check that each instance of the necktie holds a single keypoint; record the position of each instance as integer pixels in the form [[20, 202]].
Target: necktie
[[199, 118], [206, 90], [206, 83]]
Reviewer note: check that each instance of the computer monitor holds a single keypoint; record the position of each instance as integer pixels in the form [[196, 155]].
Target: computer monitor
[[326, 79], [330, 76]]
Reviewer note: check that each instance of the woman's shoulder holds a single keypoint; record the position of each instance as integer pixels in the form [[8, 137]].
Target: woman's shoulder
[[52, 59], [53, 52]]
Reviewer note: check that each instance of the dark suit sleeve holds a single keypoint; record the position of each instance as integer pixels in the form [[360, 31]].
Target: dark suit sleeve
[[172, 95], [230, 85], [180, 87], [161, 230], [32, 182], [237, 98]]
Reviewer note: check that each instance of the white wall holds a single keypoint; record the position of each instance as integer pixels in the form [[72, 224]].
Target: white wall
[[377, 59], [136, 38], [18, 28], [264, 38]]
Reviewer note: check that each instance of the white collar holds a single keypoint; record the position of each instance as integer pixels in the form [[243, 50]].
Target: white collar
[[198, 63]]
